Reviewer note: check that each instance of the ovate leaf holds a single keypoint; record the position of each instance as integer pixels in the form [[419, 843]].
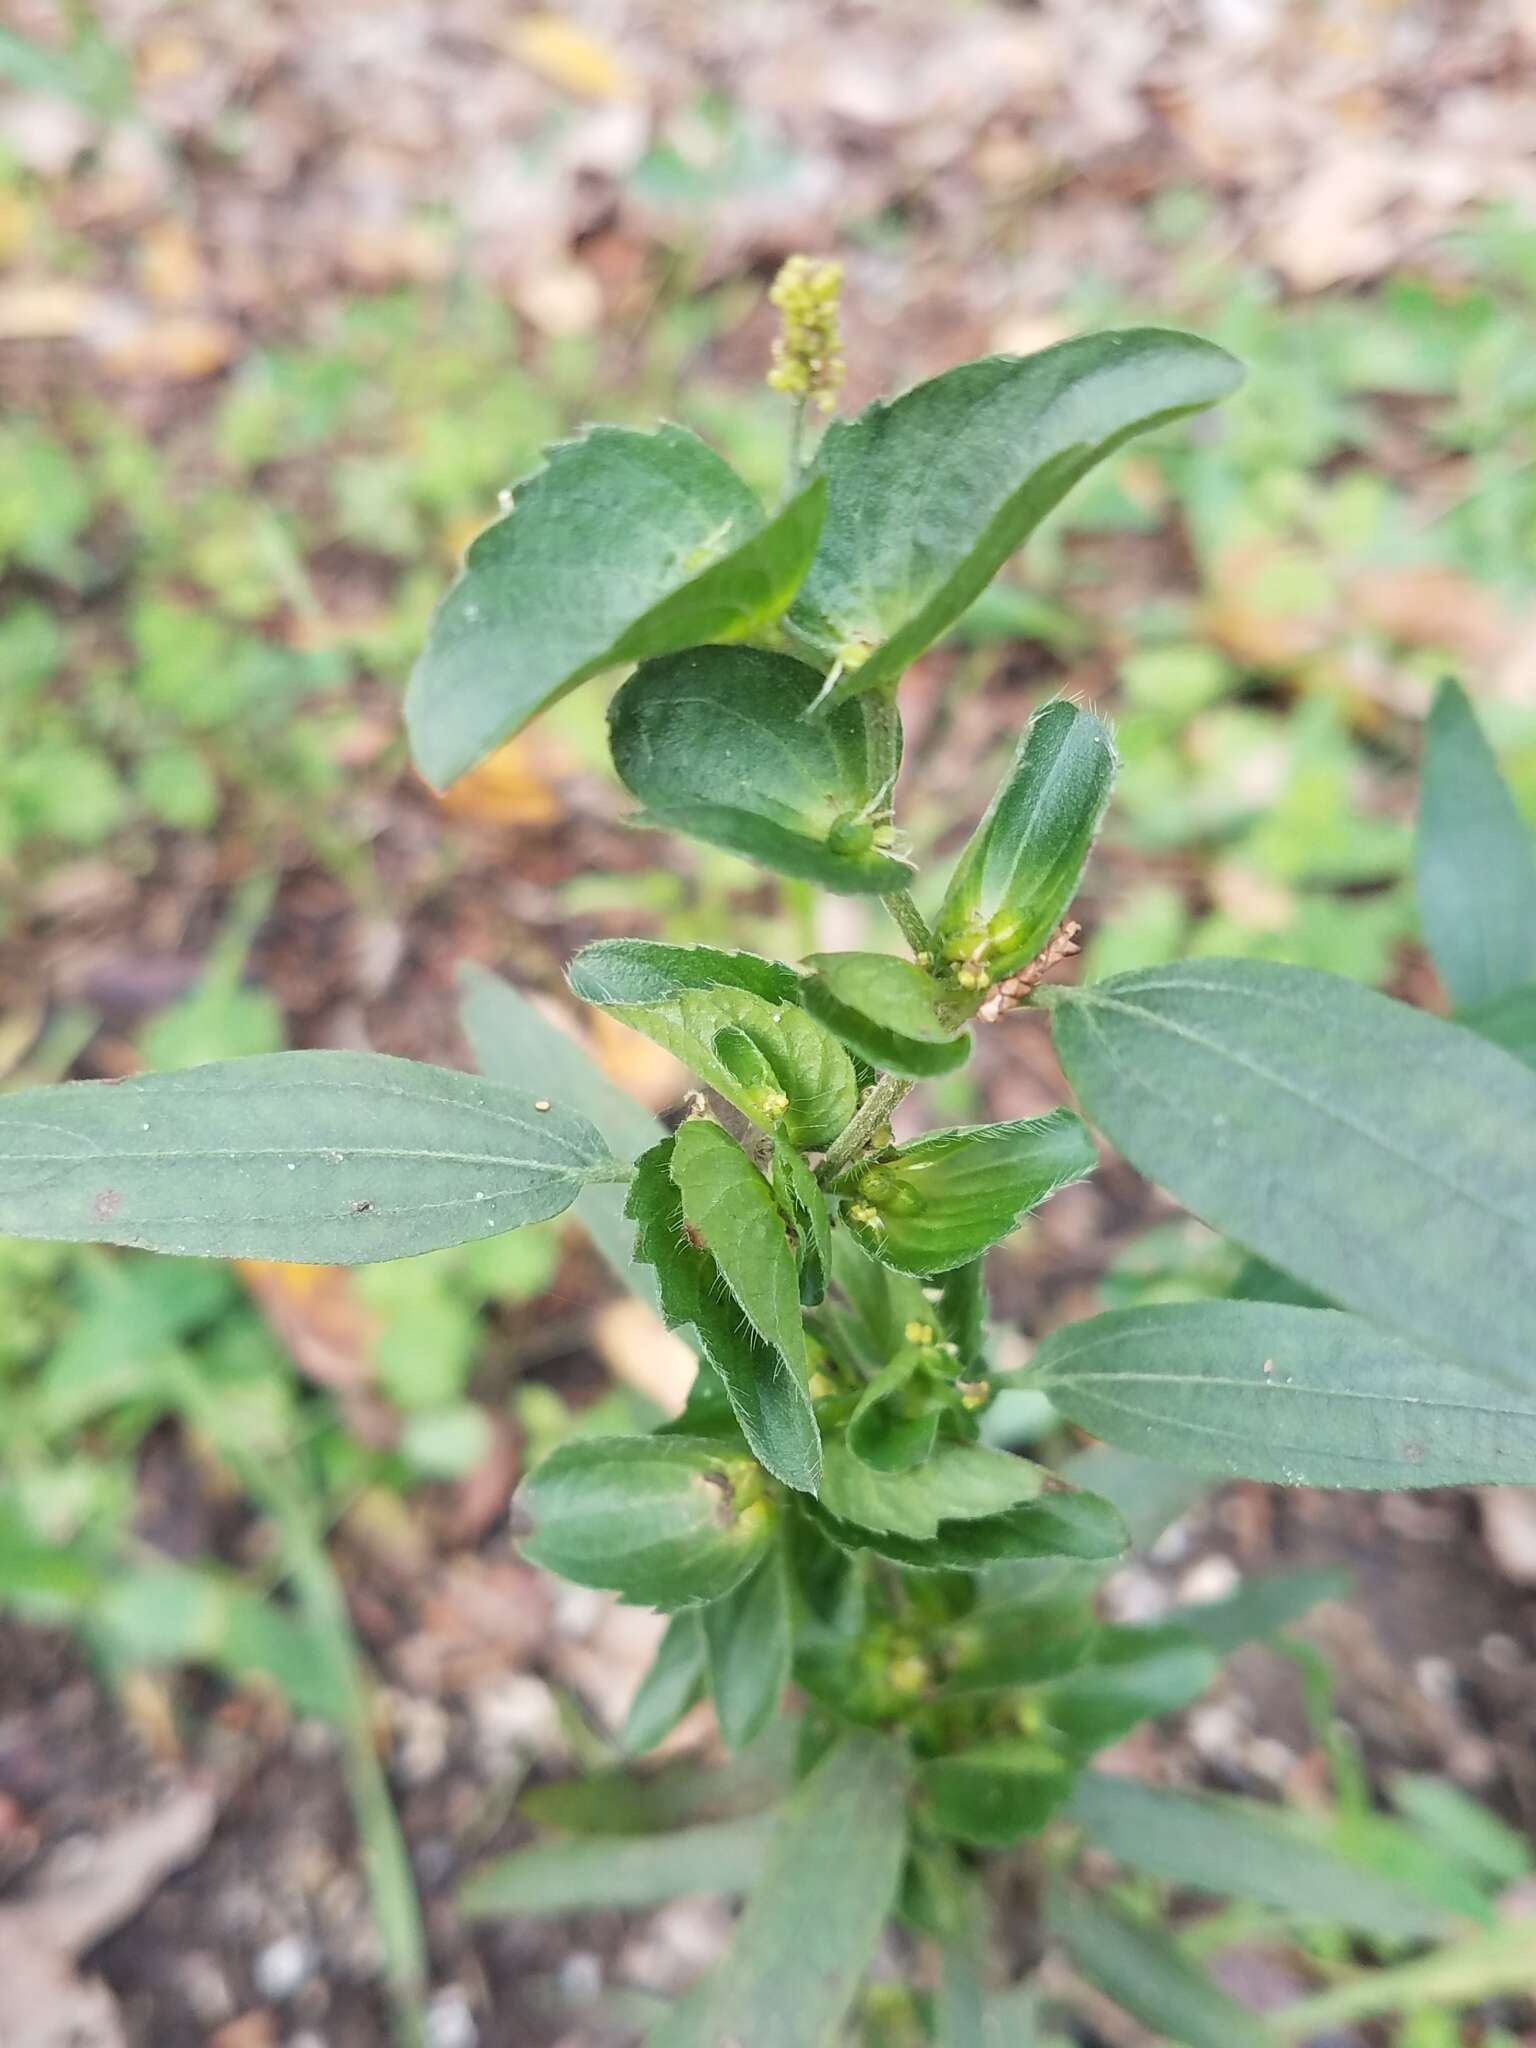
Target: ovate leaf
[[803, 1203], [664, 1521], [813, 1920], [958, 1483], [747, 1637], [943, 1199], [1237, 1848], [1017, 1642], [887, 1010], [1474, 860], [516, 1044], [331, 1158], [1141, 1969], [995, 1794], [1131, 1675], [1024, 861], [717, 743], [1297, 1396], [768, 1400], [779, 1066], [929, 493], [1380, 1155], [594, 1873], [644, 971], [623, 545]]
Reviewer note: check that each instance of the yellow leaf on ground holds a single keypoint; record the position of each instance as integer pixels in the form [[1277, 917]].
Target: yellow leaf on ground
[[570, 56], [49, 309], [170, 263], [637, 1348], [328, 1331], [181, 348], [638, 1065]]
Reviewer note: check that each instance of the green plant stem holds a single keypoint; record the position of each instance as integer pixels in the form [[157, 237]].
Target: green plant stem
[[321, 1602], [871, 1116], [914, 926], [882, 731], [794, 454]]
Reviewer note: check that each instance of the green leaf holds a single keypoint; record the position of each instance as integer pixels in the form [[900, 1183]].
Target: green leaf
[[684, 1794], [1261, 1607], [673, 1684], [814, 1917], [732, 1210], [1131, 1675], [958, 1483], [646, 971], [801, 1081], [334, 1158], [747, 1637], [962, 1309], [896, 1420], [802, 1201], [516, 1044], [716, 743], [1474, 861], [1297, 1396], [1463, 1829], [1021, 867], [597, 1872], [663, 1521], [929, 493], [623, 545], [886, 1010], [1142, 1970], [769, 1402], [995, 1794], [1057, 1525], [1017, 1642], [943, 1199], [1509, 1020], [1381, 1156], [1239, 1849], [1461, 1973]]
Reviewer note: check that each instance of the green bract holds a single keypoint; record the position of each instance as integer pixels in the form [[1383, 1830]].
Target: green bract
[[1025, 860], [687, 556], [942, 1200], [890, 1012], [667, 1521], [720, 743], [930, 493]]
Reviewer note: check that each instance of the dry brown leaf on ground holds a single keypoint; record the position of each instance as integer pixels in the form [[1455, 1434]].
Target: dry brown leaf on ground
[[1433, 605], [323, 1324], [83, 1893]]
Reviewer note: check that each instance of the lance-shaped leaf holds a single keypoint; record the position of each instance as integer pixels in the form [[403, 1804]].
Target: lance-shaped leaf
[[590, 1874], [929, 493], [887, 1010], [674, 1683], [769, 1402], [1131, 1675], [779, 1066], [516, 1044], [813, 1920], [1022, 865], [1262, 1606], [732, 1211], [624, 545], [1016, 1642], [615, 972], [1474, 860], [663, 1521], [1297, 1396], [748, 1639], [1140, 1969], [896, 1422], [1058, 1524], [995, 1794], [943, 1199], [805, 1206], [1235, 1847], [1509, 1021], [716, 743], [1382, 1156], [333, 1158]]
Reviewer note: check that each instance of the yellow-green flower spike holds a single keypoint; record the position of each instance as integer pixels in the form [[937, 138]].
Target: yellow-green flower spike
[[807, 352]]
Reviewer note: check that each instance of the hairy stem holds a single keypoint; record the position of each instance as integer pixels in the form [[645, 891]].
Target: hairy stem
[[914, 928], [882, 731], [873, 1113]]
